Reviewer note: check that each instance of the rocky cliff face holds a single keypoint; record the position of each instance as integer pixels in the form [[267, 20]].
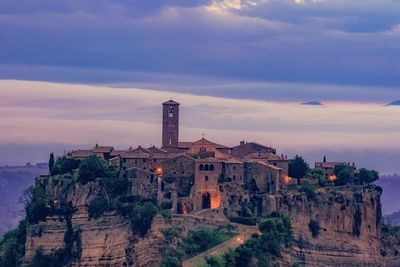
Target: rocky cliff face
[[105, 241], [349, 221]]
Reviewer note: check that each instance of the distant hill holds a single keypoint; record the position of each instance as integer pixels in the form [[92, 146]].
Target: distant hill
[[13, 182], [390, 197], [395, 103], [393, 219], [312, 103]]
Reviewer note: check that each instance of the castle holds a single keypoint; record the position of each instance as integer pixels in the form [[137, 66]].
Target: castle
[[193, 176]]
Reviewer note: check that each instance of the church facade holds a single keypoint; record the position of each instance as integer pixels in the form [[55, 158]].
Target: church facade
[[190, 177]]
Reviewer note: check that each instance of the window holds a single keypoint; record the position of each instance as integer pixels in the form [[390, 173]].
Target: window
[[201, 167], [170, 141], [171, 112], [212, 167], [234, 177], [206, 167], [206, 178]]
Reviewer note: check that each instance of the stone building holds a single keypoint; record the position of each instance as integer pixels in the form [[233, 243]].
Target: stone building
[[194, 176]]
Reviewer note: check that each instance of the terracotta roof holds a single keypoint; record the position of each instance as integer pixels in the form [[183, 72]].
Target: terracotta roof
[[171, 102], [102, 149], [184, 144], [204, 141], [249, 148], [232, 161], [117, 152], [141, 149], [134, 155], [81, 153], [154, 149]]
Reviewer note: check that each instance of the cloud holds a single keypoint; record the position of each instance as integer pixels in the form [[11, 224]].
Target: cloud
[[321, 42]]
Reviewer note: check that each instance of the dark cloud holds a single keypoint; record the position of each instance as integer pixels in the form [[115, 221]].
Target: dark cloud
[[326, 42]]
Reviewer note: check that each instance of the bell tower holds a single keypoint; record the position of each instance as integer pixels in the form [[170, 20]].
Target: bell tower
[[170, 125]]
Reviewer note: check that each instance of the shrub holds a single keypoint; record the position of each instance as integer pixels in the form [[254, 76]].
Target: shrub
[[244, 220], [36, 204], [97, 207], [314, 228], [64, 165], [12, 246], [142, 217], [216, 261], [200, 240], [344, 175], [171, 261], [94, 167], [309, 189]]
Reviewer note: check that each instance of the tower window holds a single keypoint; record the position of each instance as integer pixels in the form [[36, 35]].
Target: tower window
[[170, 141], [170, 112], [206, 178], [212, 167]]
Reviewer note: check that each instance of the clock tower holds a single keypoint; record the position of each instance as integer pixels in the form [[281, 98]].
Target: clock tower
[[170, 125]]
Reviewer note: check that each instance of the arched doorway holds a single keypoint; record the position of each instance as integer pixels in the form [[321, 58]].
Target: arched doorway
[[206, 201]]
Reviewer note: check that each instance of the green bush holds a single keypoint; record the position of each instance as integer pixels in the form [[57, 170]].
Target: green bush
[[142, 217], [204, 238], [344, 175], [216, 261], [171, 261], [244, 220], [309, 189], [93, 167], [36, 204], [12, 246], [97, 207], [298, 167], [64, 165], [314, 228]]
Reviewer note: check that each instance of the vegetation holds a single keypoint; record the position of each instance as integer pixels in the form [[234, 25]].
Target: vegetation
[[12, 246], [367, 176], [36, 204], [298, 167], [276, 232], [319, 174], [244, 220], [64, 165], [344, 175], [51, 161], [309, 189], [314, 228], [196, 242]]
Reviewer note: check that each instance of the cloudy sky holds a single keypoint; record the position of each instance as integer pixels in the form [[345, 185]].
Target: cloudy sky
[[240, 68]]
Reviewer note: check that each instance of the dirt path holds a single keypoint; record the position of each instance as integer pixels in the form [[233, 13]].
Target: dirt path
[[245, 233]]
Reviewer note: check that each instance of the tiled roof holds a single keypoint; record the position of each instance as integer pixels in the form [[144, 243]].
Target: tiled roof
[[102, 149], [208, 160], [204, 141], [134, 155], [81, 153], [171, 102], [184, 144], [232, 161]]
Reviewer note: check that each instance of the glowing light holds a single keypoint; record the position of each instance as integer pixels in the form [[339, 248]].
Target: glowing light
[[287, 179], [159, 170], [332, 178], [215, 202]]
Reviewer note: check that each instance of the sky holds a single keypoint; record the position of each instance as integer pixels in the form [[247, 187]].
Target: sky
[[73, 73]]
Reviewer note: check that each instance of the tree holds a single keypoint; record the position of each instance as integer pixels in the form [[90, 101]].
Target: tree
[[51, 161], [324, 158], [298, 167], [344, 176], [64, 165], [367, 176], [92, 168]]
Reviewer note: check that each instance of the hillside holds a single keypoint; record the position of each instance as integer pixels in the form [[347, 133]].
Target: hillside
[[88, 216], [13, 182]]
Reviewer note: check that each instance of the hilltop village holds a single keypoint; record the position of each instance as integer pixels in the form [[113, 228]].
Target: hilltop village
[[199, 175], [200, 204]]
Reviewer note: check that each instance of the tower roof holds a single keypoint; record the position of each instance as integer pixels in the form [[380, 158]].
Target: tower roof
[[171, 102]]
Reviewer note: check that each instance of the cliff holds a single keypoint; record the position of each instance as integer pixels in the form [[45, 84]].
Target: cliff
[[349, 224], [346, 223]]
